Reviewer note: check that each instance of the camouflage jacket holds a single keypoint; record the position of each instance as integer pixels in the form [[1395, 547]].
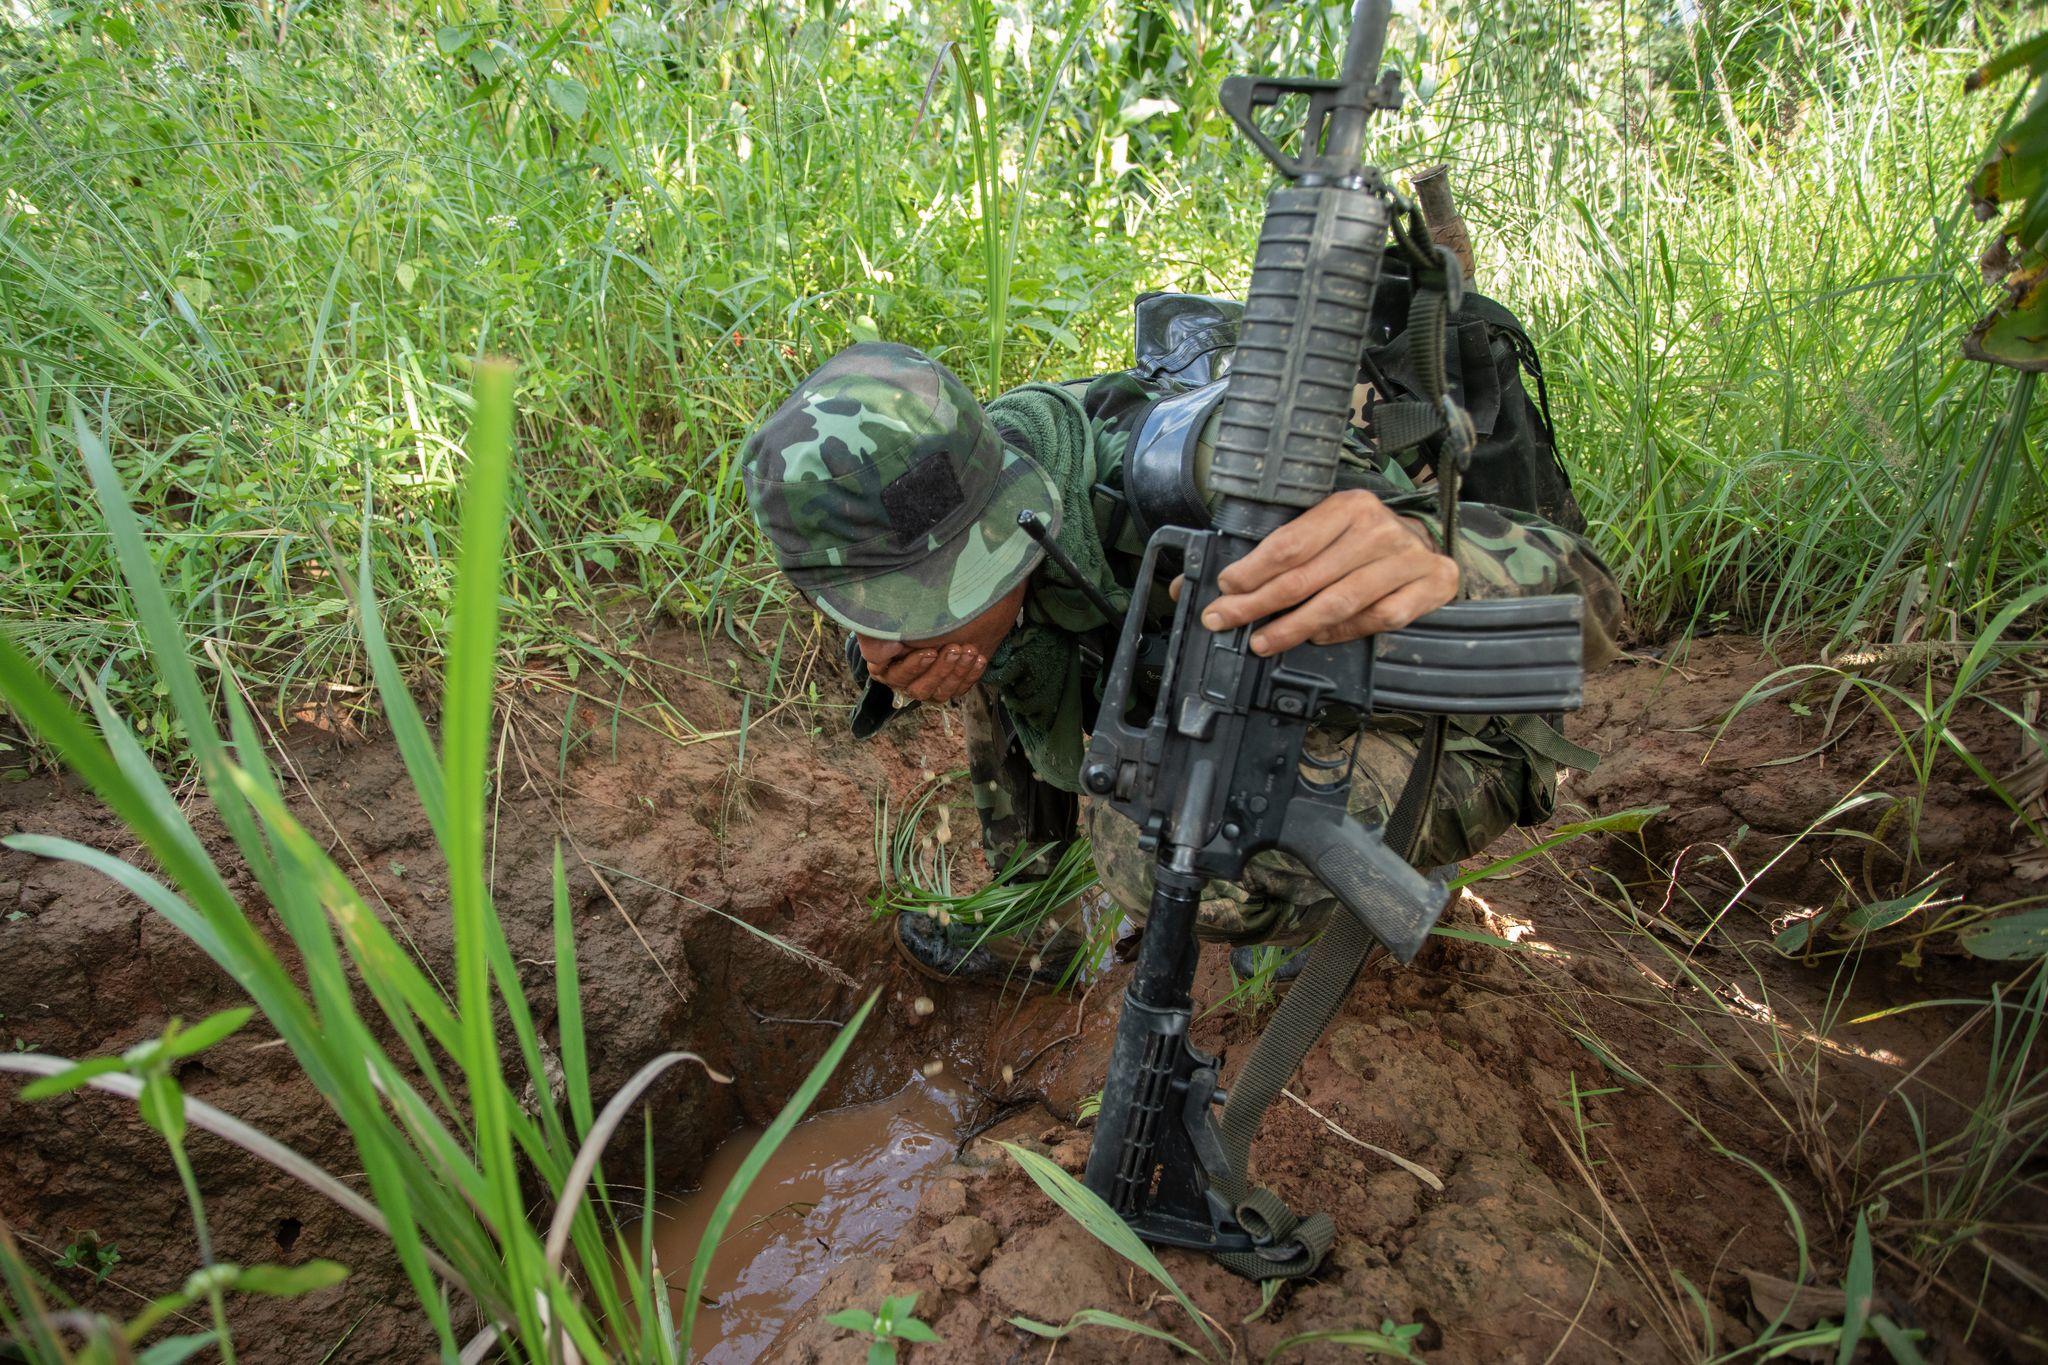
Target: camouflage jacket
[[1500, 553]]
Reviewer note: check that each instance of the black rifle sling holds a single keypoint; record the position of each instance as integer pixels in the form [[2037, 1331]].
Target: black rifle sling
[[1292, 1245]]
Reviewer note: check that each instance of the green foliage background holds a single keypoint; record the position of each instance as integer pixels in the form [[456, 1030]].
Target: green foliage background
[[264, 244]]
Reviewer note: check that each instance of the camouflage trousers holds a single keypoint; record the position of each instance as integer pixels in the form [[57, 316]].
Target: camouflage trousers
[[1481, 789]]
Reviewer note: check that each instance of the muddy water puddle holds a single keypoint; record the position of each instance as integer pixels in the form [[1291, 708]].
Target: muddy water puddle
[[842, 1184]]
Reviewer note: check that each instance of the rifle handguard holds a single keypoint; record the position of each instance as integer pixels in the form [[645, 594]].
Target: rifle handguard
[[1282, 426]]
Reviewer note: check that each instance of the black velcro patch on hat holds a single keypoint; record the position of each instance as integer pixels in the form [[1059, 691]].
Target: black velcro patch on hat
[[925, 495]]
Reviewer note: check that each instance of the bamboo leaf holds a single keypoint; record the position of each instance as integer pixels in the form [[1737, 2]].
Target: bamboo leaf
[[1101, 1222]]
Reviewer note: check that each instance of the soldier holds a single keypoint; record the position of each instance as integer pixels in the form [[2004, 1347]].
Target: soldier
[[891, 500]]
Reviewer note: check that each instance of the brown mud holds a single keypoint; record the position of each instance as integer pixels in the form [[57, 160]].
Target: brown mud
[[1574, 1099], [842, 1184]]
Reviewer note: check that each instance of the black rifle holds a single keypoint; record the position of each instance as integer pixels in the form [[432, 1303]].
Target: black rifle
[[1212, 770]]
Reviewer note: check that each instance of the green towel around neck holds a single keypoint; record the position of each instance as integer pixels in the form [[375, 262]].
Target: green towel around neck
[[1037, 669]]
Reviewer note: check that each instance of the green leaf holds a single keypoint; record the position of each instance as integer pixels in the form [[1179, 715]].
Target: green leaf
[[1794, 937], [865, 329], [1388, 1340], [1085, 1207], [290, 1281], [2024, 935], [1098, 1317], [452, 39], [1897, 1340], [175, 1350], [852, 1319], [910, 1329], [1868, 919], [71, 1078], [1857, 1284], [163, 1107], [881, 1351], [568, 95], [569, 1003], [207, 1032], [1619, 822]]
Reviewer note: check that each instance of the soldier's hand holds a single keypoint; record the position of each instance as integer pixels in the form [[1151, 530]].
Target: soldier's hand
[[1347, 567], [936, 674]]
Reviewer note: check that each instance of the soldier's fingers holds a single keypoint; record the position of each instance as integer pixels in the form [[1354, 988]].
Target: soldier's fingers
[[1289, 588], [1356, 605], [901, 673], [948, 678], [1348, 514], [966, 671], [1418, 597], [1294, 544], [956, 672]]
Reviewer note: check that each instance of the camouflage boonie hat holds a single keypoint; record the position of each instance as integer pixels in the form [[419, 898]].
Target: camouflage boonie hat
[[889, 499]]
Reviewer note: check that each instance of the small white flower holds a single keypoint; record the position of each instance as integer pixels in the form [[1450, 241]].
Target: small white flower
[[504, 222]]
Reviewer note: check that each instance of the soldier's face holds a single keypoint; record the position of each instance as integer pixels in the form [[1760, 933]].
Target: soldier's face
[[943, 668]]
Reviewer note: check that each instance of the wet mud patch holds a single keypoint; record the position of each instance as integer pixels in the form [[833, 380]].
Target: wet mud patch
[[1561, 1093], [842, 1184]]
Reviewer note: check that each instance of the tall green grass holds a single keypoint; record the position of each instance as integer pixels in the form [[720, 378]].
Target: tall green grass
[[269, 260], [452, 1132]]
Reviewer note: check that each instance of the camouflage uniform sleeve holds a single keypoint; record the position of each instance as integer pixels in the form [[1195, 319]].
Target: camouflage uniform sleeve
[[1019, 812], [1506, 553]]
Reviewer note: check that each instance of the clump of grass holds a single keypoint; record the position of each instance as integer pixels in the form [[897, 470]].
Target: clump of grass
[[1960, 1187], [448, 1129], [914, 860]]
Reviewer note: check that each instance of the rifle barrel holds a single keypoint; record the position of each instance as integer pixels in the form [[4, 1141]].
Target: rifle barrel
[[1348, 113]]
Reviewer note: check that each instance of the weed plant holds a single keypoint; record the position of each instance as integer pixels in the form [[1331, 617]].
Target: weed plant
[[449, 1126]]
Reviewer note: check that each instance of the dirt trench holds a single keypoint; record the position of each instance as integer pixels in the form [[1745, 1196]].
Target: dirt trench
[[1547, 1090]]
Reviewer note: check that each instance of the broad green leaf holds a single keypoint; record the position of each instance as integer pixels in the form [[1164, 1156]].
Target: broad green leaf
[[175, 1350], [2009, 937], [163, 1107], [1869, 919], [1794, 937], [852, 1319], [568, 95]]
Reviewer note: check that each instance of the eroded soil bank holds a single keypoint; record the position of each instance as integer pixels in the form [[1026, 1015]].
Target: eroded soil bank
[[1577, 1097]]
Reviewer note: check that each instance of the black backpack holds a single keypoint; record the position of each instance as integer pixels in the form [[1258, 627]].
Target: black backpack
[[1183, 343], [1487, 354]]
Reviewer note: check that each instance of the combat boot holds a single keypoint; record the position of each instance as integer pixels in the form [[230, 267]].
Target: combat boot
[[964, 953]]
